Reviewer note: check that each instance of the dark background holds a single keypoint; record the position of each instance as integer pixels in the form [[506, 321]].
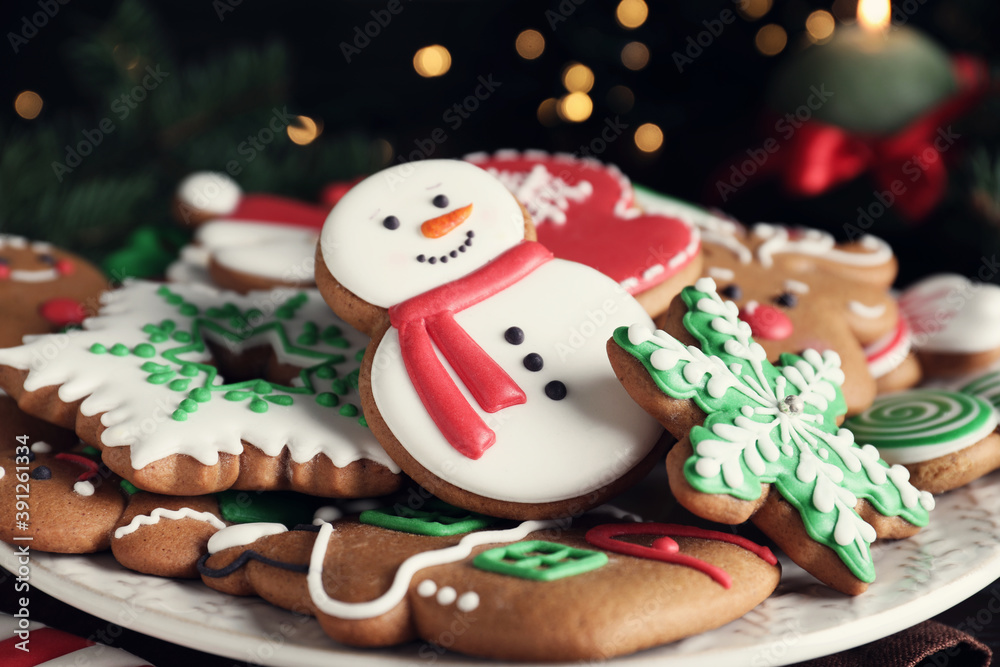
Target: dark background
[[376, 107]]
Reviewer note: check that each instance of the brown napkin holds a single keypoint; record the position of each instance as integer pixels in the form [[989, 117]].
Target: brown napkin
[[927, 644]]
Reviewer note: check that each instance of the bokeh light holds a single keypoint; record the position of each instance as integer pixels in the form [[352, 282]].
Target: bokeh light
[[635, 55], [631, 13], [754, 9], [28, 104], [548, 112], [820, 25], [649, 137], [771, 39], [575, 107], [430, 61], [529, 44], [578, 78], [304, 130]]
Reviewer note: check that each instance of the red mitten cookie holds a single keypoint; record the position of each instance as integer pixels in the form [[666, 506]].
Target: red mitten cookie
[[584, 211], [534, 591], [760, 441], [798, 289], [43, 289], [144, 383], [486, 379]]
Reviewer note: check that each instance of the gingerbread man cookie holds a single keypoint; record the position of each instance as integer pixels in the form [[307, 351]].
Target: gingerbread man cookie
[[799, 289], [584, 211], [760, 441], [518, 591], [486, 379], [43, 288], [144, 383], [944, 438]]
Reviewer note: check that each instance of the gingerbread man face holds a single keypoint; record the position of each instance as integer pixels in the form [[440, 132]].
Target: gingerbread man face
[[798, 289], [43, 288]]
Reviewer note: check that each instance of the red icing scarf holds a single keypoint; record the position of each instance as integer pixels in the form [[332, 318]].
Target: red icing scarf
[[429, 317]]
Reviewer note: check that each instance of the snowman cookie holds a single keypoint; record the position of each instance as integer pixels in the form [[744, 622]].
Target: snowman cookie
[[955, 323], [246, 242], [144, 383], [798, 289], [760, 441], [944, 438], [584, 211], [486, 379], [43, 288], [533, 591]]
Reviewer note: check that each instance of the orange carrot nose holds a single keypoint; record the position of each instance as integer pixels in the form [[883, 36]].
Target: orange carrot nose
[[437, 227]]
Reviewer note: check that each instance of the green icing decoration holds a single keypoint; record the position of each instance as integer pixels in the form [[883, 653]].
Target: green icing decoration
[[144, 350], [307, 339], [332, 331], [187, 405], [539, 561], [179, 385], [91, 451], [158, 337], [237, 395], [349, 410], [986, 387], [363, 421], [258, 405], [279, 400], [153, 367], [359, 355], [339, 386], [774, 424], [326, 399], [923, 418], [354, 377], [128, 487], [436, 518], [262, 387], [97, 348], [326, 372], [182, 337], [201, 395], [188, 370], [342, 343], [286, 507], [160, 378], [188, 309], [179, 416], [119, 350]]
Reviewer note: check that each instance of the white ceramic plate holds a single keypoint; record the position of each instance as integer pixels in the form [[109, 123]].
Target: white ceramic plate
[[957, 555]]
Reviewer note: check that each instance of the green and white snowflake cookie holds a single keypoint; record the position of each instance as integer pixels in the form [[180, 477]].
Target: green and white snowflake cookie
[[761, 441], [190, 390]]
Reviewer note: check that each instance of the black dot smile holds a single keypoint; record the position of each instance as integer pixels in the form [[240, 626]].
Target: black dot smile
[[450, 254]]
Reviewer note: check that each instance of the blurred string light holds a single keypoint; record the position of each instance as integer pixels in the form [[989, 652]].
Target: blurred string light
[[635, 55], [771, 39], [304, 130], [752, 10], [575, 107], [431, 61], [621, 99], [649, 137], [578, 78], [28, 104], [548, 112], [383, 151], [529, 44], [874, 14], [820, 26], [631, 13]]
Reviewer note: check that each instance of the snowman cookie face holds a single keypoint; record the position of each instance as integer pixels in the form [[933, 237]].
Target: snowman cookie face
[[418, 225]]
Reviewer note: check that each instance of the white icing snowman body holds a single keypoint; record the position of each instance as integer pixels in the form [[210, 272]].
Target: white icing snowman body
[[577, 430]]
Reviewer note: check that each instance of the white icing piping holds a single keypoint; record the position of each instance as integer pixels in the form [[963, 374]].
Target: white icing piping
[[720, 273], [404, 575], [13, 241], [796, 286], [867, 312], [817, 243], [242, 534], [84, 488], [163, 513], [39, 276]]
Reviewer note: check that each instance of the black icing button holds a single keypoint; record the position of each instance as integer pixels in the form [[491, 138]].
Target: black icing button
[[555, 390], [41, 472], [514, 335], [533, 362], [440, 201]]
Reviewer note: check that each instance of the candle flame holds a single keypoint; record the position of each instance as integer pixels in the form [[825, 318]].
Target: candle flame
[[874, 15]]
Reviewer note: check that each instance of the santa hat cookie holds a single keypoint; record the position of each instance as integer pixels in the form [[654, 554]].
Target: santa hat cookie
[[247, 241], [584, 211], [486, 379]]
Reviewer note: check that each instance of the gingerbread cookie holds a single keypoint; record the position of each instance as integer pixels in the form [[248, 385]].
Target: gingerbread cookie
[[956, 324], [760, 441], [144, 383], [799, 289], [43, 288], [246, 242], [944, 438], [486, 379], [584, 211], [562, 593]]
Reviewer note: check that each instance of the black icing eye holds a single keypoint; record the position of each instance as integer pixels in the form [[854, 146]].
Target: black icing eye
[[391, 222], [48, 259], [440, 201], [4, 261], [732, 292], [41, 472], [787, 299]]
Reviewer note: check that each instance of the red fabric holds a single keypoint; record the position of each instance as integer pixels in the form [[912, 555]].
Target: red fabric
[[45, 644], [429, 317], [820, 156]]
